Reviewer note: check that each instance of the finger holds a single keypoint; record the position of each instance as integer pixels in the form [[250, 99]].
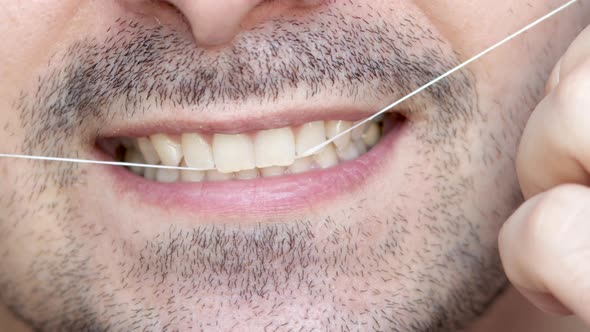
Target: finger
[[554, 78], [550, 152], [555, 146], [578, 51], [545, 249]]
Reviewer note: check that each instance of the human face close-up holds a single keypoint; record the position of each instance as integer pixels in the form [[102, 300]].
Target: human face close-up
[[391, 228]]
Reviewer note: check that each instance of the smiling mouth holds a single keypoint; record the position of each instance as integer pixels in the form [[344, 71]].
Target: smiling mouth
[[247, 156], [256, 172]]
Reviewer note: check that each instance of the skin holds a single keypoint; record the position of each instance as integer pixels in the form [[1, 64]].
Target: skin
[[422, 255], [553, 220]]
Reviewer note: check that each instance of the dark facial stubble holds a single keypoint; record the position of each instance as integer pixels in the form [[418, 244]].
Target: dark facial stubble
[[137, 70]]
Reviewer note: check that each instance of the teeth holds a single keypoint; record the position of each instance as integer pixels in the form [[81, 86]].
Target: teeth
[[197, 152], [301, 165], [357, 133], [191, 176], [233, 153], [333, 128], [273, 171], [379, 118], [133, 156], [350, 152], [150, 173], [147, 149], [372, 135], [167, 175], [310, 135], [327, 157], [247, 174], [214, 175], [169, 149], [267, 153], [275, 147], [360, 146]]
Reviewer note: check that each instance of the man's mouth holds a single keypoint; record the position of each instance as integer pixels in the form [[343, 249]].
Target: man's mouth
[[250, 173], [246, 156]]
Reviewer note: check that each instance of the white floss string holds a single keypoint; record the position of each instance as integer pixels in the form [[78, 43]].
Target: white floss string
[[324, 144], [98, 162]]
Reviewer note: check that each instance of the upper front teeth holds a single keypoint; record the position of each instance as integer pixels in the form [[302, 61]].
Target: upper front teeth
[[233, 153], [197, 152], [274, 147], [266, 153]]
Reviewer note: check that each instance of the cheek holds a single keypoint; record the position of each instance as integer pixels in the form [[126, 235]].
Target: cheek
[[27, 220], [30, 30]]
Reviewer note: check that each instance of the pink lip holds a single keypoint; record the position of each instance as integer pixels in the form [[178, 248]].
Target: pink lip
[[258, 197], [288, 118]]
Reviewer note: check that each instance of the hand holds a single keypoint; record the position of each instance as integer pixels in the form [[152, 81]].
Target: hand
[[545, 245]]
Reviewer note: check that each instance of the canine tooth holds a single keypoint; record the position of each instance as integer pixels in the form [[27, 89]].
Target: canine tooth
[[214, 175], [167, 175], [247, 174], [191, 176], [357, 133], [327, 157], [233, 153], [372, 135], [274, 147], [334, 128], [147, 149], [310, 135], [272, 171], [134, 156], [350, 152], [197, 151], [150, 173], [301, 165], [169, 149]]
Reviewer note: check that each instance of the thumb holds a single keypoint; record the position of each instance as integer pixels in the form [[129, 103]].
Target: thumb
[[545, 249]]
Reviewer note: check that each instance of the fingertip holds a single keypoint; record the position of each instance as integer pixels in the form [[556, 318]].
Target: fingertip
[[554, 78]]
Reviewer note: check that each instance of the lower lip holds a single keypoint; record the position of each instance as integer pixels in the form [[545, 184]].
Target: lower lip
[[258, 197]]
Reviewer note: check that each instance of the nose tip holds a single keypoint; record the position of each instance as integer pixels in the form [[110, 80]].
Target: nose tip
[[215, 22]]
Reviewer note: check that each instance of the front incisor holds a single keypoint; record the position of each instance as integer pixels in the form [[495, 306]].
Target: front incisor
[[233, 153], [274, 147]]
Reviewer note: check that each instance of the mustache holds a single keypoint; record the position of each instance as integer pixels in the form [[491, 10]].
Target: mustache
[[139, 69]]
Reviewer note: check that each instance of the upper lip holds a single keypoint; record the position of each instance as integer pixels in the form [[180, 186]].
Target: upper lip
[[233, 123]]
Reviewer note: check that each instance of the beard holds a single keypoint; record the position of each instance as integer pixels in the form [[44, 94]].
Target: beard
[[419, 263]]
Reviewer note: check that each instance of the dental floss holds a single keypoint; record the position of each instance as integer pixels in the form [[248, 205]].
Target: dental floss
[[325, 143], [98, 162]]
